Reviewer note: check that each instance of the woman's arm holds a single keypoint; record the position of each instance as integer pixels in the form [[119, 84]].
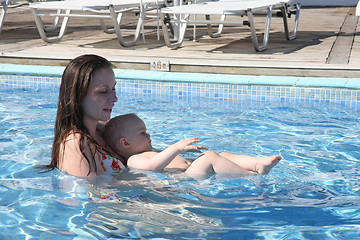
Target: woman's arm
[[158, 161]]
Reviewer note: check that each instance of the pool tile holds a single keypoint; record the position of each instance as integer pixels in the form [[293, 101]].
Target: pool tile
[[345, 91]]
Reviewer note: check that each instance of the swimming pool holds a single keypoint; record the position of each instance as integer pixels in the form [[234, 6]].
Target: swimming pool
[[313, 193]]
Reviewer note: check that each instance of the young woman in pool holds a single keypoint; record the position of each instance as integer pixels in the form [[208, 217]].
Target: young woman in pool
[[127, 136], [86, 98]]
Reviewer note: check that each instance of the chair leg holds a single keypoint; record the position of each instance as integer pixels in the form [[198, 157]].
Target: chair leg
[[117, 23], [182, 29], [109, 30], [41, 28], [209, 27], [253, 30], [171, 27], [284, 12], [143, 8], [3, 13], [157, 21], [56, 23]]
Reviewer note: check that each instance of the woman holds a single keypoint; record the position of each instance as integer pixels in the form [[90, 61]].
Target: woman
[[86, 98]]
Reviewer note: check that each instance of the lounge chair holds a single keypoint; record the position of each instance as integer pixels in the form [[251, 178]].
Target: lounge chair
[[224, 8], [4, 4], [358, 9], [101, 9]]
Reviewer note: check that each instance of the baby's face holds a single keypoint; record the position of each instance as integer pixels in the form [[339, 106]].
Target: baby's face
[[138, 137]]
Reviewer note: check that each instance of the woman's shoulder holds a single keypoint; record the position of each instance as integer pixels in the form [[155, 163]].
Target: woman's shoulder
[[74, 154], [73, 136]]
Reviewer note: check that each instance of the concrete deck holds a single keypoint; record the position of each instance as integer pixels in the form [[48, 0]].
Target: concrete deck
[[327, 45]]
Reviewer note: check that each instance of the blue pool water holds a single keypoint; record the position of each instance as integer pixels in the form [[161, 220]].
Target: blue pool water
[[313, 193]]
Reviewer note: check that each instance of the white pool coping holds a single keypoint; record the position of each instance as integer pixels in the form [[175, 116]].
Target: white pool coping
[[196, 77]]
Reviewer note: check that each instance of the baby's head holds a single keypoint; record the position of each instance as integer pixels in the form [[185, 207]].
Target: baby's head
[[124, 133]]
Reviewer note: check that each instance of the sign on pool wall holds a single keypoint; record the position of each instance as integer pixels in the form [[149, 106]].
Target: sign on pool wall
[[159, 65]]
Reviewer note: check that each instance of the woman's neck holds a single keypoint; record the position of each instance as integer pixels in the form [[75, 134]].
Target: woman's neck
[[95, 129]]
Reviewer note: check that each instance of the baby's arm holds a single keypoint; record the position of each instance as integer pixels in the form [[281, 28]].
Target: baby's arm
[[158, 161]]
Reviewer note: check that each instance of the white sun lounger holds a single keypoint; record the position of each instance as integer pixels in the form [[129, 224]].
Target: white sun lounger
[[4, 4], [229, 7], [358, 9], [101, 9]]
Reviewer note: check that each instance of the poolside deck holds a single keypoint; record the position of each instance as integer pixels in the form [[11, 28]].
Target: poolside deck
[[327, 44]]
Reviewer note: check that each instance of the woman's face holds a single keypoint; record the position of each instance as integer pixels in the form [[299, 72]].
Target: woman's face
[[100, 97]]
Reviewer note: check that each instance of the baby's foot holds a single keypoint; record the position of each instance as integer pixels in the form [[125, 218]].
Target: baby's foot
[[264, 165]]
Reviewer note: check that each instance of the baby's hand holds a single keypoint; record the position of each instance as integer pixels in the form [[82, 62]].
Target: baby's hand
[[186, 145]]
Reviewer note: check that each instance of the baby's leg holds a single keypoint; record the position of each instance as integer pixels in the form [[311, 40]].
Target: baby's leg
[[255, 164], [211, 162]]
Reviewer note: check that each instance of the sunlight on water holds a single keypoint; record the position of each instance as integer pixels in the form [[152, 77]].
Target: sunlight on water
[[313, 193]]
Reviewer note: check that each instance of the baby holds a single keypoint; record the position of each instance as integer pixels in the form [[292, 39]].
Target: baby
[[126, 135]]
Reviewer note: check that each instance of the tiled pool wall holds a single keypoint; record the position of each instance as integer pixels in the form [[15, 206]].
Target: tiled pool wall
[[205, 86], [242, 92], [13, 81]]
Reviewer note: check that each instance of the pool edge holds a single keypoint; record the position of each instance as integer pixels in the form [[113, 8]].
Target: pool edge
[[335, 82]]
